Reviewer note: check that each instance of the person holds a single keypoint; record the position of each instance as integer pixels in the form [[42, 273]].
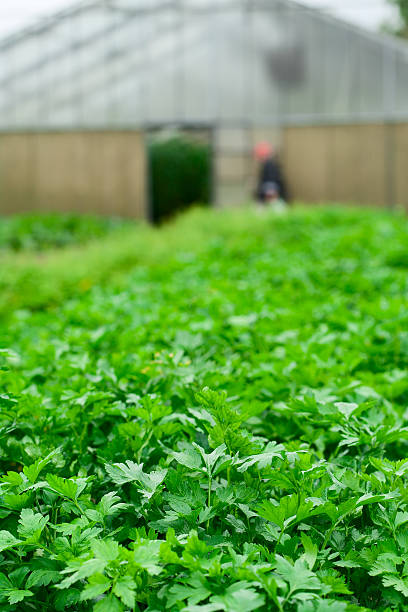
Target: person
[[271, 186]]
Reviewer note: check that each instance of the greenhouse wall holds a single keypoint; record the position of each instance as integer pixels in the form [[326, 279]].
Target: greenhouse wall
[[364, 164], [130, 63], [92, 172], [107, 172], [354, 163]]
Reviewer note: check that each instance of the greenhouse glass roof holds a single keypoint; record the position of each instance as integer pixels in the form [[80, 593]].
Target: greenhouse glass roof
[[132, 63]]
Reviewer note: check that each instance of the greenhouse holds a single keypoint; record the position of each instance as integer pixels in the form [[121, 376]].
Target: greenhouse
[[131, 63], [239, 70]]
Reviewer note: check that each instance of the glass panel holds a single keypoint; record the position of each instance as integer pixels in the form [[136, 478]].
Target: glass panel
[[136, 62]]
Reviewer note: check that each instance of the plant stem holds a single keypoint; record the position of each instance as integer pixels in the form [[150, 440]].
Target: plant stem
[[209, 499]]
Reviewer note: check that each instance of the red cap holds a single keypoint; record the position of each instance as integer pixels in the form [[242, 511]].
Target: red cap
[[263, 150]]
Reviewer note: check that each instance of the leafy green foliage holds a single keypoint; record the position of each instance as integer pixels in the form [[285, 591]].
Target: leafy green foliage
[[41, 232], [402, 7], [180, 175], [223, 428]]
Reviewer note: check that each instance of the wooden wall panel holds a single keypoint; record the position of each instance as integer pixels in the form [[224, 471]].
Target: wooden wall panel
[[358, 166], [16, 173], [307, 163], [374, 169], [92, 172], [339, 163], [399, 146]]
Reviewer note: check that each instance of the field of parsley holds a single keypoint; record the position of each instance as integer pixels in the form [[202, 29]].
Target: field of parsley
[[208, 416]]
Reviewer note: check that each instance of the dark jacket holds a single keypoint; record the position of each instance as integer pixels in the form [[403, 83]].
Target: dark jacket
[[271, 173]]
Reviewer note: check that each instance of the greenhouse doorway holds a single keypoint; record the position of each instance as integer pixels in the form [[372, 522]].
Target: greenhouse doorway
[[180, 162]]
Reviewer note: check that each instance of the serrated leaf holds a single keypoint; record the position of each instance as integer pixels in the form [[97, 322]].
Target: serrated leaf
[[16, 595], [311, 550], [17, 502], [31, 524], [237, 524], [239, 596], [109, 604], [111, 504], [94, 515], [210, 459], [66, 599], [33, 471], [346, 409], [67, 487], [264, 459], [98, 585], [401, 519], [125, 589], [193, 590], [368, 498], [147, 554], [279, 513], [7, 540], [298, 575], [189, 458], [399, 584], [42, 577], [386, 563], [180, 507], [85, 570], [12, 478], [122, 473], [106, 550]]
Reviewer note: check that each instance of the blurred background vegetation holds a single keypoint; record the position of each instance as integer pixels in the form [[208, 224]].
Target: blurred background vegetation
[[180, 175], [39, 232], [401, 29]]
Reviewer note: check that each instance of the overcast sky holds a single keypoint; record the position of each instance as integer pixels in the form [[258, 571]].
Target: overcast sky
[[368, 13]]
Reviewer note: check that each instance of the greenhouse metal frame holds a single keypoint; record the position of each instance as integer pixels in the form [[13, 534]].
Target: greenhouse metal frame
[[126, 63]]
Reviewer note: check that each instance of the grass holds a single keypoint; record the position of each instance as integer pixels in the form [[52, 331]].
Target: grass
[[208, 416]]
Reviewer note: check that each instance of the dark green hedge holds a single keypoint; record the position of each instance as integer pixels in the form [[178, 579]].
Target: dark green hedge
[[180, 175]]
